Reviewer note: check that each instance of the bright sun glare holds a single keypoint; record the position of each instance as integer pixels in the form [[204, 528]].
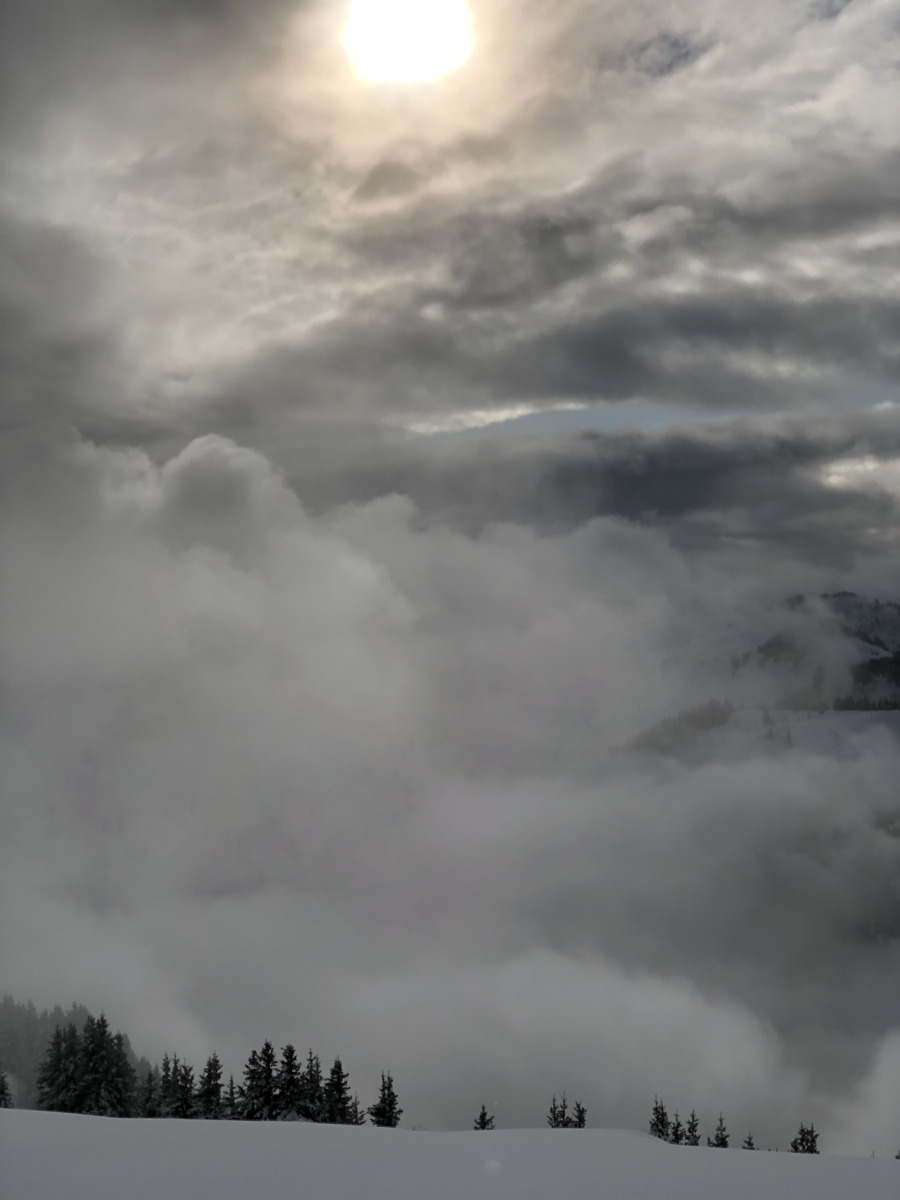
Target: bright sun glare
[[407, 41]]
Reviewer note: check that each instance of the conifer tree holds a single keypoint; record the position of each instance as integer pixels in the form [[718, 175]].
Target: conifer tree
[[313, 1098], [123, 1080], [578, 1119], [5, 1094], [289, 1086], [148, 1103], [172, 1092], [336, 1095], [806, 1141], [231, 1103], [692, 1130], [483, 1120], [357, 1115], [558, 1116], [50, 1075], [659, 1120], [87, 1067], [166, 1092], [106, 1079], [720, 1135], [183, 1105], [209, 1090], [676, 1131], [93, 1065], [258, 1091], [250, 1089], [70, 1088], [748, 1142], [386, 1111], [268, 1067]]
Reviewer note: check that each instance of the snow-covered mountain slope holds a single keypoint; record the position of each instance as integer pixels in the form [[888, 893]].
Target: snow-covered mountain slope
[[871, 622], [806, 657], [49, 1155], [825, 649], [792, 634]]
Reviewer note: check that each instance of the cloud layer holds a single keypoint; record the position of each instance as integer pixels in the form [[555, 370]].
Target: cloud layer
[[346, 780]]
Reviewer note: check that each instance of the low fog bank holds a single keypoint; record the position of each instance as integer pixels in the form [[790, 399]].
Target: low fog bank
[[347, 780]]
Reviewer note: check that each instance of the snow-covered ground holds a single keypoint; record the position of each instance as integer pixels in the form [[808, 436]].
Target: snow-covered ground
[[48, 1156]]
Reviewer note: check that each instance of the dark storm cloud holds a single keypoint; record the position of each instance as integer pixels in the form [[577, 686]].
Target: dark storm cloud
[[719, 351], [757, 481], [616, 354]]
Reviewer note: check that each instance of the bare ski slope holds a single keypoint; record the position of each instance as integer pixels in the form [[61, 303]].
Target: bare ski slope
[[51, 1156]]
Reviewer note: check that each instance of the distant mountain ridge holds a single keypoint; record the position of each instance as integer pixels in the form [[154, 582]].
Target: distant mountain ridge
[[836, 652], [875, 623], [842, 649]]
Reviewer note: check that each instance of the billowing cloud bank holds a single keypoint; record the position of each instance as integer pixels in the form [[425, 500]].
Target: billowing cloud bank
[[347, 780]]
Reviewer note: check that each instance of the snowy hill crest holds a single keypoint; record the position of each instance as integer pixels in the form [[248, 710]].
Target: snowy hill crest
[[94, 1158]]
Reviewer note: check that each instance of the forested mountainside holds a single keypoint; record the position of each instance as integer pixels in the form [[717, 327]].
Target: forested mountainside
[[25, 1034]]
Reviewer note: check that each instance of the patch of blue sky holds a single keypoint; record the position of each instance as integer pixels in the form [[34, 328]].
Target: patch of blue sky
[[624, 415]]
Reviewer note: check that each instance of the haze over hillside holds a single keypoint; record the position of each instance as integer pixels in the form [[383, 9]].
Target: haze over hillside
[[816, 655]]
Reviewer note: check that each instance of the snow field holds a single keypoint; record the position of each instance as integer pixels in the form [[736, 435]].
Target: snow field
[[48, 1156]]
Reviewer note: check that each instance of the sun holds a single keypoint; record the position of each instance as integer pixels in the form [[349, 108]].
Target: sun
[[407, 41]]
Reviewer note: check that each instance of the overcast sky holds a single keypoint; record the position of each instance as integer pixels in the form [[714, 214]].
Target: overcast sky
[[365, 451]]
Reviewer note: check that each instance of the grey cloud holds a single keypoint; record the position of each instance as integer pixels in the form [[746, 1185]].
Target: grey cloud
[[730, 345], [515, 261], [832, 198], [668, 52], [757, 479], [491, 258], [829, 10], [539, 291], [388, 178], [621, 353], [57, 341]]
